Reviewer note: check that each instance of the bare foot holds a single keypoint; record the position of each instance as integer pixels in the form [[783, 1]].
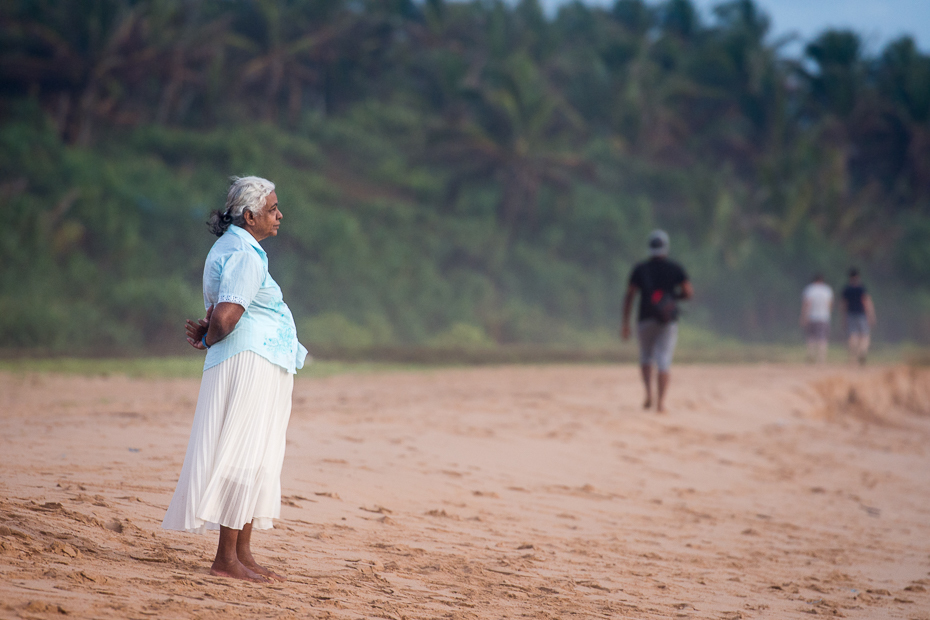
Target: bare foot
[[647, 403], [236, 570], [261, 570], [660, 408]]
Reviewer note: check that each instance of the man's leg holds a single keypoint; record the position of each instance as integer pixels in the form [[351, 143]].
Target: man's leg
[[820, 351], [244, 553], [855, 347], [646, 332], [646, 369], [663, 379], [665, 349], [811, 349], [226, 563], [858, 337], [864, 342], [818, 333]]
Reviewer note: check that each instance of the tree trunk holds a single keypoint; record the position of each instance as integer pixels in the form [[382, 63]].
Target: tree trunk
[[294, 101], [275, 76]]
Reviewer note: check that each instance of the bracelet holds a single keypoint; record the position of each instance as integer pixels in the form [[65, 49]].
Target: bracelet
[[204, 341]]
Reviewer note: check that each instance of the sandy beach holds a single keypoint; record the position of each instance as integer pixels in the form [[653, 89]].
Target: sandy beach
[[767, 491]]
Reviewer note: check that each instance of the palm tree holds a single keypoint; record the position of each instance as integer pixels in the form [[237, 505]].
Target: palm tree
[[293, 44], [76, 54], [189, 38], [904, 78], [838, 80], [512, 136], [680, 18]]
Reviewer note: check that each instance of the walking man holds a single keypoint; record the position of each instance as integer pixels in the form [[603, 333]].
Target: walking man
[[816, 307], [858, 317], [660, 283]]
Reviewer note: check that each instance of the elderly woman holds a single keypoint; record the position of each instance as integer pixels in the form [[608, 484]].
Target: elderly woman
[[231, 477]]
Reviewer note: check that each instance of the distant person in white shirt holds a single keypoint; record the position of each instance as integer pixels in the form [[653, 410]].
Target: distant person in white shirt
[[817, 304]]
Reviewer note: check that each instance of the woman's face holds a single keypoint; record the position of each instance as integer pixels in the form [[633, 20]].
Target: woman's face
[[266, 223]]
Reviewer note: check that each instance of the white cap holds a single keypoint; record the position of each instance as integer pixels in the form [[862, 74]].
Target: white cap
[[658, 243]]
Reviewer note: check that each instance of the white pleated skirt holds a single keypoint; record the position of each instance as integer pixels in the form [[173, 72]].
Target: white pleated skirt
[[232, 470]]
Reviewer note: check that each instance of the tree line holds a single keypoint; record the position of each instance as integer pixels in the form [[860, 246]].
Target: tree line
[[484, 169]]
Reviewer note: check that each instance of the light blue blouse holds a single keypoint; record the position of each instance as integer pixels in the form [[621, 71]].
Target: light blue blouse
[[236, 271]]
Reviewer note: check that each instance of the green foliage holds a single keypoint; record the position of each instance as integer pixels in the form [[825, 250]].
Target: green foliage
[[912, 254], [461, 335], [188, 366], [451, 174], [331, 329]]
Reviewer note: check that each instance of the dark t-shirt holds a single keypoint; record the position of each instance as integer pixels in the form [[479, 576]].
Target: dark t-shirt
[[854, 296], [656, 274]]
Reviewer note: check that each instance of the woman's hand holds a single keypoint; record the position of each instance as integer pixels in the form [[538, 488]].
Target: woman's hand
[[196, 331]]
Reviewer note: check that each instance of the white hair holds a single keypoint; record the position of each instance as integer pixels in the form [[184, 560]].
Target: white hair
[[245, 194]]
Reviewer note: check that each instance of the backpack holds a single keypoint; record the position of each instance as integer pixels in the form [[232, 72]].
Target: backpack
[[664, 306]]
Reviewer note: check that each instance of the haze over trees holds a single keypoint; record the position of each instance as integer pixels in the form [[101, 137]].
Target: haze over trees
[[451, 172]]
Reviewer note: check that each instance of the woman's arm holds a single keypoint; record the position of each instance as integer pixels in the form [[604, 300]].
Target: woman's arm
[[196, 331], [224, 320], [219, 323]]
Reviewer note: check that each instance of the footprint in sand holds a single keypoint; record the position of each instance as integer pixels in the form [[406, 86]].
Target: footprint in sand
[[64, 549], [442, 514], [39, 607]]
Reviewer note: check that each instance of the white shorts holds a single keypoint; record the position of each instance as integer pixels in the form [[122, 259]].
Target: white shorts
[[232, 470], [656, 343]]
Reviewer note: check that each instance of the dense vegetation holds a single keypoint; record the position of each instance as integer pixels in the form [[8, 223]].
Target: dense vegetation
[[451, 172]]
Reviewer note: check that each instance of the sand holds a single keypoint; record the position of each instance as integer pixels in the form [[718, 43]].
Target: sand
[[510, 492]]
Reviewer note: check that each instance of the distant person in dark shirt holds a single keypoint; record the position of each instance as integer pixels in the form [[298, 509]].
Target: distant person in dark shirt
[[660, 283], [858, 317]]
